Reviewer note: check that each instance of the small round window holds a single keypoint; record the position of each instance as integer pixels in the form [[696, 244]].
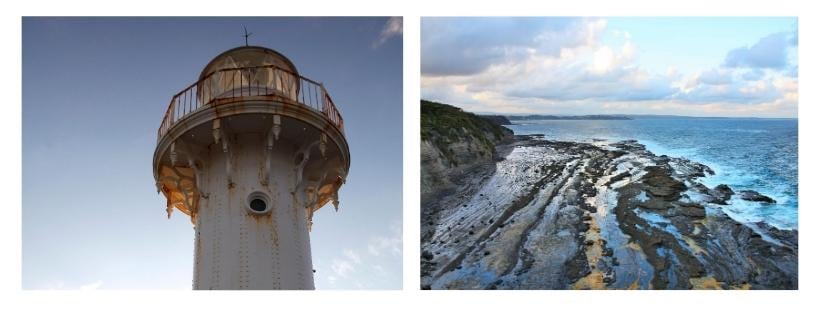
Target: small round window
[[258, 203]]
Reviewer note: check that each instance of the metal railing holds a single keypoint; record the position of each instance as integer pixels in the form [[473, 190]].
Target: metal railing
[[226, 85]]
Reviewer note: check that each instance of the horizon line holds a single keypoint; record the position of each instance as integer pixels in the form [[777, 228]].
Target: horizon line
[[624, 115], [605, 114]]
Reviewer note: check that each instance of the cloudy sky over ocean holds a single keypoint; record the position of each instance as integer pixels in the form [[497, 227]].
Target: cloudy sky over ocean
[[701, 66]]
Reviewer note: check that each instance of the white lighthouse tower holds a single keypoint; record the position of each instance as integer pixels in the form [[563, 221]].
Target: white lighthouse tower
[[250, 151]]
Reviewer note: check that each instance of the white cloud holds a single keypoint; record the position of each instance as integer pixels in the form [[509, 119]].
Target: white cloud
[[769, 52], [353, 256], [373, 250], [585, 70], [715, 76], [341, 267], [470, 45], [392, 243], [603, 60], [379, 256], [392, 28]]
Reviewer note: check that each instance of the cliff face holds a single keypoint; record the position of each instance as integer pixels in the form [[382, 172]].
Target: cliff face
[[458, 150], [454, 142]]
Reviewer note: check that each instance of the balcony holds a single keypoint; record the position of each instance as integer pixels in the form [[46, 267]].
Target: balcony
[[266, 82]]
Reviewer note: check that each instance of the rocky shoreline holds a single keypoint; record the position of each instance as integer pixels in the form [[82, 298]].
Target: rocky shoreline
[[601, 215]]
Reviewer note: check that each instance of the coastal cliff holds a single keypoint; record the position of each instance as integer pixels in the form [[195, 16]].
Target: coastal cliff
[[454, 145], [605, 215]]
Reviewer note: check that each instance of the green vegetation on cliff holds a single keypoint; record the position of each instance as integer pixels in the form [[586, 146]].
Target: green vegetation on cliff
[[443, 124], [497, 119]]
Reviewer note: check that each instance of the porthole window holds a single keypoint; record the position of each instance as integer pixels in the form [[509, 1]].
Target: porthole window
[[258, 203]]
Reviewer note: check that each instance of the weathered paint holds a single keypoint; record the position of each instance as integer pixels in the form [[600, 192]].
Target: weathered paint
[[212, 158], [238, 249]]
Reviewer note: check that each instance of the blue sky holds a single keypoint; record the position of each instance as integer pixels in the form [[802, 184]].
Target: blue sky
[[699, 66], [94, 91]]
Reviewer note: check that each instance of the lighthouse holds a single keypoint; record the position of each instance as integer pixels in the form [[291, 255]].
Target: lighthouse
[[250, 151]]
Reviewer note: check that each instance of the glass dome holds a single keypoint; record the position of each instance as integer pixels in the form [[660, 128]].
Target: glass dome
[[248, 70]]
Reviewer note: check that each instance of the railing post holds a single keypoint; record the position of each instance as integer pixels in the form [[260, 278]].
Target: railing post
[[324, 97], [301, 88]]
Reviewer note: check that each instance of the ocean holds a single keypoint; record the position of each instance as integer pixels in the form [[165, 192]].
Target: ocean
[[745, 153]]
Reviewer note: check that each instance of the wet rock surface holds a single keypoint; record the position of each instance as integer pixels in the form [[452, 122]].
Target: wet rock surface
[[755, 196], [568, 215]]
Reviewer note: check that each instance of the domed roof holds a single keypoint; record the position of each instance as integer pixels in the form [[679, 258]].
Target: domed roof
[[248, 56]]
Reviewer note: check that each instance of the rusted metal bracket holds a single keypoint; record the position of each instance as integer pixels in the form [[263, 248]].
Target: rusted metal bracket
[[340, 180], [305, 152], [277, 126], [217, 133], [311, 196], [268, 152], [173, 154], [219, 136], [323, 143], [335, 197], [197, 169], [228, 161]]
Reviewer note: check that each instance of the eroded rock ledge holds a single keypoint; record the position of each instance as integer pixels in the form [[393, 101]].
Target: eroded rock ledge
[[566, 215]]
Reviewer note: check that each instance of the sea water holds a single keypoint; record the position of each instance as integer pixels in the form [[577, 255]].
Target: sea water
[[745, 153]]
